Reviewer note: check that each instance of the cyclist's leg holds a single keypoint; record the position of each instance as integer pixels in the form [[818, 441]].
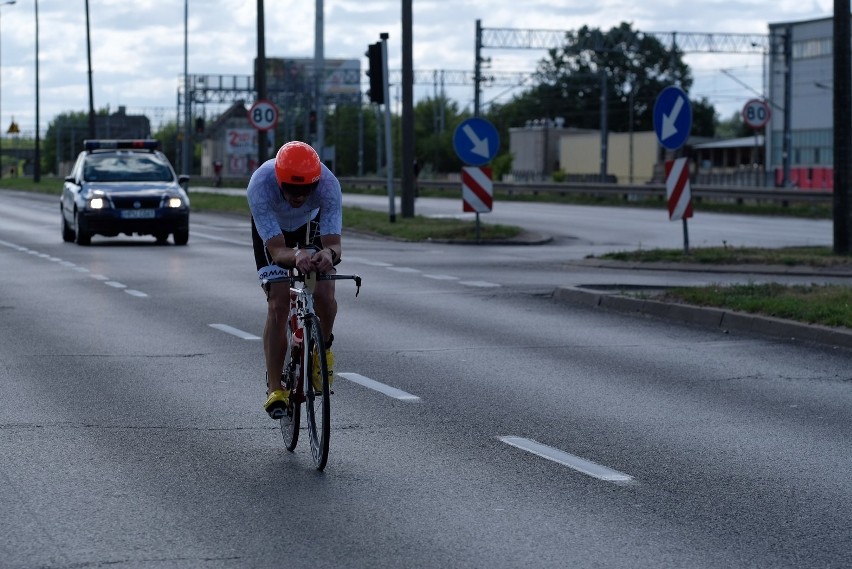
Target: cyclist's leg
[[275, 333], [325, 305], [325, 302], [277, 311]]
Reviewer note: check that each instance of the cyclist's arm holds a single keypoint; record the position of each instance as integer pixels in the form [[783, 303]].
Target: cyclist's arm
[[329, 255], [283, 255]]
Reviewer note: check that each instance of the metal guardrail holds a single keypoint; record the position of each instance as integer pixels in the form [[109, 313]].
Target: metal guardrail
[[731, 194]]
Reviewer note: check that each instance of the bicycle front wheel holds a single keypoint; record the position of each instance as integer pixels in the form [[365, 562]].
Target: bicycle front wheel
[[317, 391]]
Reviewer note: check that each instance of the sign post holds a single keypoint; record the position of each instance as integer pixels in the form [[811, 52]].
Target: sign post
[[476, 142], [672, 123]]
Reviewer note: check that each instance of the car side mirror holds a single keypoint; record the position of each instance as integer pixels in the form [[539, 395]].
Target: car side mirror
[[71, 179], [183, 181]]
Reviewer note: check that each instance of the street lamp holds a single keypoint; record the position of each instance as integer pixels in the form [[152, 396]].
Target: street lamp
[[6, 3]]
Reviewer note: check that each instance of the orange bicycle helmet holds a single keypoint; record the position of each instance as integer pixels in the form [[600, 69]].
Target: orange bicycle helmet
[[297, 164]]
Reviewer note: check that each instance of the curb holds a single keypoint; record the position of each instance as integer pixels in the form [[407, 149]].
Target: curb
[[792, 270], [714, 318]]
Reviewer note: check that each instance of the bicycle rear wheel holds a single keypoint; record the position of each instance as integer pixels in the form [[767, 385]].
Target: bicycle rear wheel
[[317, 404], [291, 419]]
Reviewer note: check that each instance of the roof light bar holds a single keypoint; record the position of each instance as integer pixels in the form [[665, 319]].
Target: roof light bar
[[148, 144]]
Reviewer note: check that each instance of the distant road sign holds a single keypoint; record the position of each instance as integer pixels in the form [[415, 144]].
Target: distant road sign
[[263, 115], [476, 141], [672, 117], [756, 113]]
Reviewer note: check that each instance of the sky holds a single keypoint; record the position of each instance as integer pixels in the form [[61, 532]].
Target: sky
[[137, 46]]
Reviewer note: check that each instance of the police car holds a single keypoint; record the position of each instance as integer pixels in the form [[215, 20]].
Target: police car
[[124, 186]]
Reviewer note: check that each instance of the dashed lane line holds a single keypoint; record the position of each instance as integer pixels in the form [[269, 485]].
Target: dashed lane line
[[380, 387], [68, 264], [235, 332], [577, 463], [479, 284], [136, 293]]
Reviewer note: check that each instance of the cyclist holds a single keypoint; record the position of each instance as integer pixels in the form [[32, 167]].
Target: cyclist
[[295, 202]]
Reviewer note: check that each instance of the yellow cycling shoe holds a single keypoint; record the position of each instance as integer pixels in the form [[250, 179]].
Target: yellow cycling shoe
[[276, 403], [316, 379]]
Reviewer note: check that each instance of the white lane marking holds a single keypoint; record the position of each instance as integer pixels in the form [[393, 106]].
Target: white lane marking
[[71, 265], [571, 461], [480, 284], [235, 332], [223, 239], [442, 277], [380, 387], [364, 261], [403, 269]]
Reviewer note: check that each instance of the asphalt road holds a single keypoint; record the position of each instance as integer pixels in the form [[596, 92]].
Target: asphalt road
[[530, 432]]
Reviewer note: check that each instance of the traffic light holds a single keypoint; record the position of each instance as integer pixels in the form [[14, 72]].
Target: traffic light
[[376, 73], [199, 125], [312, 122]]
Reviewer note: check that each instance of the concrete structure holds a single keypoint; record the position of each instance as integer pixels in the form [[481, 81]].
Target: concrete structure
[[730, 162], [542, 148], [535, 150], [630, 156]]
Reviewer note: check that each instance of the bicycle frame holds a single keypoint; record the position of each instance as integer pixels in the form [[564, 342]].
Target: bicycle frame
[[305, 344]]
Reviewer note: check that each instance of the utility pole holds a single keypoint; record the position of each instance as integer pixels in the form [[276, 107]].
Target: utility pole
[[260, 82], [37, 157], [92, 133], [407, 112], [842, 126]]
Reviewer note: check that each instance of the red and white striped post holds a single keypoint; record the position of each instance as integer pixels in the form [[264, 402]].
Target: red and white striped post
[[679, 195], [477, 191]]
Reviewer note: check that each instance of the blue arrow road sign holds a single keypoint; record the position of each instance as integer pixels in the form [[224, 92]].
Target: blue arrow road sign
[[672, 117], [476, 141]]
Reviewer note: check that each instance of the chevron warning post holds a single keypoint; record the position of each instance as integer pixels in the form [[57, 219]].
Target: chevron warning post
[[477, 189], [678, 191]]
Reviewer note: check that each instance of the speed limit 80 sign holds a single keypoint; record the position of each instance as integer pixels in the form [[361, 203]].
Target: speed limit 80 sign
[[756, 113], [263, 115]]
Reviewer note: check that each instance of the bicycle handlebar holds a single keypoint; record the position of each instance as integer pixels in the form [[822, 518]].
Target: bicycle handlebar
[[300, 277]]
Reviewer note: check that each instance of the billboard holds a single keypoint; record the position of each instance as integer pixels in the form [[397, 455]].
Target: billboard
[[295, 75]]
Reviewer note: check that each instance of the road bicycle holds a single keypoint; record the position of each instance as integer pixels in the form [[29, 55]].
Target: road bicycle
[[306, 350]]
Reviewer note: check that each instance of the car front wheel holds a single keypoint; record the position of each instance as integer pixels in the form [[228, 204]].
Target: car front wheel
[[67, 232], [83, 236], [181, 236]]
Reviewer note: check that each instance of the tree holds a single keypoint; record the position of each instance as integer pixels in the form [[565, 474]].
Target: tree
[[631, 66], [63, 141], [733, 127]]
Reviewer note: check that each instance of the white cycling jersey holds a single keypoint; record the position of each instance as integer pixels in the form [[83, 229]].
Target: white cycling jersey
[[273, 215]]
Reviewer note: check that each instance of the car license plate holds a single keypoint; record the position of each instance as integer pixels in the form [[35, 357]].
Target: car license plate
[[138, 213]]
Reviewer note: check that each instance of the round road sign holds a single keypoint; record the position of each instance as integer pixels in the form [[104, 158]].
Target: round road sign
[[756, 113], [263, 115]]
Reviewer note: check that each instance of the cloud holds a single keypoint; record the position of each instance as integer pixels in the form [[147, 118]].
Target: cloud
[[138, 46]]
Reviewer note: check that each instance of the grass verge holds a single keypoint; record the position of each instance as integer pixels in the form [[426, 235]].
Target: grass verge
[[788, 256], [829, 305]]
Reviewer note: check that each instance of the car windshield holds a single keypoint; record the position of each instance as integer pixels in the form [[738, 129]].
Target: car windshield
[[129, 167]]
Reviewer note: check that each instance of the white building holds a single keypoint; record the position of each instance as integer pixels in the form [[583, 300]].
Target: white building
[[800, 84]]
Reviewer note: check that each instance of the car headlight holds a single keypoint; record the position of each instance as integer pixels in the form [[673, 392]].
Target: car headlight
[[174, 202], [98, 203]]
